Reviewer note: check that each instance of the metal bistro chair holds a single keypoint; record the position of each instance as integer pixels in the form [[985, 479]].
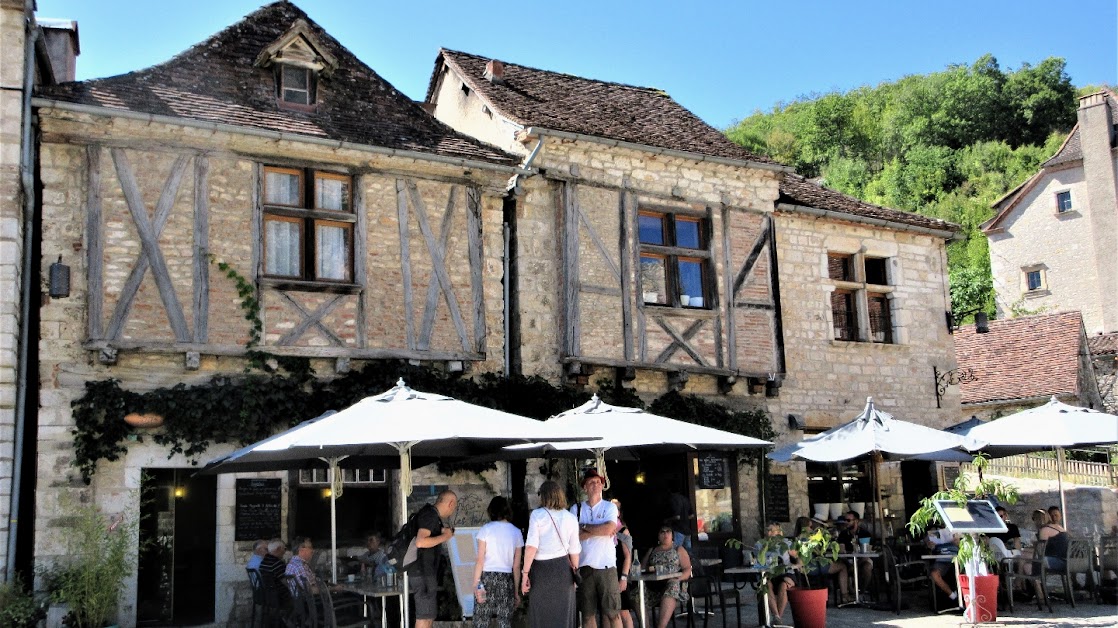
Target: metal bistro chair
[[913, 572], [305, 614], [330, 610], [1108, 562], [1015, 571], [257, 596], [1080, 559]]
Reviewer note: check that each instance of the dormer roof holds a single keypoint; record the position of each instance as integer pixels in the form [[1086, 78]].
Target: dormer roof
[[220, 81]]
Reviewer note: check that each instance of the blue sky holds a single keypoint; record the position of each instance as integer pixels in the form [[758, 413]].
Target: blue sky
[[723, 60]]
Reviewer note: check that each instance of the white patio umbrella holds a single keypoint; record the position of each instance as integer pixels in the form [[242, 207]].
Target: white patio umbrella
[[1054, 425], [400, 422], [627, 434], [874, 431]]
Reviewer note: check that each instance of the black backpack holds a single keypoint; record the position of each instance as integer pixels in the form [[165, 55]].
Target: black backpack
[[401, 551]]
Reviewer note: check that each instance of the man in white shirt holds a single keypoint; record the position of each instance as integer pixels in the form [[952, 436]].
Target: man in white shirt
[[597, 524]]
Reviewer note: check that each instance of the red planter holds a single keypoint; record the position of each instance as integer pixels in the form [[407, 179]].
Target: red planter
[[985, 597], [809, 607]]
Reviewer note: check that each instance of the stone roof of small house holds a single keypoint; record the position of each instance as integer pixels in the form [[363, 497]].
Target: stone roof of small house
[[220, 80], [798, 190], [1021, 358], [564, 102], [1103, 344]]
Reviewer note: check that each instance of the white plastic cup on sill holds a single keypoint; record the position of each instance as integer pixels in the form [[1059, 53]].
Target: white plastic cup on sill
[[684, 299]]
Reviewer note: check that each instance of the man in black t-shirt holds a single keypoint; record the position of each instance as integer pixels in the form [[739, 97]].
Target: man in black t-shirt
[[852, 531], [1012, 537], [430, 535]]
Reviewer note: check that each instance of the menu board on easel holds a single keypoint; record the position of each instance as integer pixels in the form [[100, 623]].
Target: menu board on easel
[[712, 471], [259, 508]]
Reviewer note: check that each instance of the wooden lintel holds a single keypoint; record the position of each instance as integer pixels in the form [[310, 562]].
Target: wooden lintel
[[113, 347]]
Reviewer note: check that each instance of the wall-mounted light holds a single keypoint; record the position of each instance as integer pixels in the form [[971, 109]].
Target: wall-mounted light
[[639, 479], [796, 422], [179, 492], [326, 493], [981, 321], [59, 280]]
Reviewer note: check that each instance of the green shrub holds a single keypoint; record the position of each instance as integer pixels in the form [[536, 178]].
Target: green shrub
[[17, 606]]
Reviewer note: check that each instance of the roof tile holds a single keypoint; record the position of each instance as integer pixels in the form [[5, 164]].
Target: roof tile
[[797, 190], [218, 81], [563, 102], [1021, 358]]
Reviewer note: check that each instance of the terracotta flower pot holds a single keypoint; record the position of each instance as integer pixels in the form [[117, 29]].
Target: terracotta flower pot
[[136, 419], [809, 607], [986, 597]]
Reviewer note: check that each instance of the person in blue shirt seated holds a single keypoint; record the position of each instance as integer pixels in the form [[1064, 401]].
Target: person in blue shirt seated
[[946, 545], [780, 552]]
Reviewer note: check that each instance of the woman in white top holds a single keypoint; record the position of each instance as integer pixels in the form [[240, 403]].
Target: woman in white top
[[497, 570], [550, 556]]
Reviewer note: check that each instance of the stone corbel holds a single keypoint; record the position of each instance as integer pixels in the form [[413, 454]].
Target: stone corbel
[[193, 361], [677, 380], [107, 355], [726, 383]]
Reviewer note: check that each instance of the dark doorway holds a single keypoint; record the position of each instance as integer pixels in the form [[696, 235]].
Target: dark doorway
[[360, 510], [918, 480], [177, 548]]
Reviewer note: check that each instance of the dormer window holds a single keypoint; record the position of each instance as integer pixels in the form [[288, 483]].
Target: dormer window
[[296, 85], [300, 62]]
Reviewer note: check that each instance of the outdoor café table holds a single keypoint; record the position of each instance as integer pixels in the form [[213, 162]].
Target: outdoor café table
[[857, 555], [651, 577], [764, 603], [371, 590]]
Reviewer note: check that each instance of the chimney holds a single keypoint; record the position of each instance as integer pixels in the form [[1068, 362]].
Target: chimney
[[495, 72], [1103, 116], [61, 40]]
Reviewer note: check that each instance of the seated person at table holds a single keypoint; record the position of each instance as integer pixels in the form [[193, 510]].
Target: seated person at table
[[1056, 551], [943, 569], [259, 549], [300, 568], [374, 560], [806, 527], [1012, 536], [671, 592], [849, 537], [781, 554]]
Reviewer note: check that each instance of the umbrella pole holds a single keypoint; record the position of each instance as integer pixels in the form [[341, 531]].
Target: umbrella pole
[[405, 490], [1060, 484], [600, 460]]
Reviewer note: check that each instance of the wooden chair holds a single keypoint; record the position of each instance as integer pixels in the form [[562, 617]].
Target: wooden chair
[[899, 574], [1015, 570]]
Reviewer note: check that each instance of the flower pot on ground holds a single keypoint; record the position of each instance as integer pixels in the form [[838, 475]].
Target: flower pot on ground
[[816, 551], [985, 601], [809, 607]]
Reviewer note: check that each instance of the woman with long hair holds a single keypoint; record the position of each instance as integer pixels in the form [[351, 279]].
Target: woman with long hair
[[497, 570], [550, 559], [674, 560]]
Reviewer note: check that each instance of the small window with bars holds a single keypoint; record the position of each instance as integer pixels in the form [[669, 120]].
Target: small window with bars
[[321, 476]]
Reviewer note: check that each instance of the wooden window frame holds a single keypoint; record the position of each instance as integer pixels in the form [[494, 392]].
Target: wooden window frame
[[861, 292], [674, 254], [311, 90], [310, 218], [1060, 209]]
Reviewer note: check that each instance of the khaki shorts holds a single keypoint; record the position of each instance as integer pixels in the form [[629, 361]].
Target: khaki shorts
[[598, 592]]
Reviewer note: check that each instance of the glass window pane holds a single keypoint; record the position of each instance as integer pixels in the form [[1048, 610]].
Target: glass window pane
[[1034, 280], [282, 240], [687, 233], [881, 325], [1063, 201], [294, 78], [691, 282], [875, 271], [714, 507], [282, 188], [331, 193], [333, 252], [651, 229], [652, 279]]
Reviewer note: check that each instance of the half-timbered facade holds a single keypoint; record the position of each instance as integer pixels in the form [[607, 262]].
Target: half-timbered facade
[[369, 230]]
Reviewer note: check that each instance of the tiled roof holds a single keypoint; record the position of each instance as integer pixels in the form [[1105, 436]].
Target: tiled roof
[[1021, 358], [1103, 344], [1072, 149], [218, 81], [562, 102], [797, 190]]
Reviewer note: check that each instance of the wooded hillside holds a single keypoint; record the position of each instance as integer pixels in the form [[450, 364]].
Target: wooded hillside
[[945, 145]]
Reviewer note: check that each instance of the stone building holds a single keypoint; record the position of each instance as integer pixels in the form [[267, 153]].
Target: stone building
[[1054, 238], [538, 224], [809, 300]]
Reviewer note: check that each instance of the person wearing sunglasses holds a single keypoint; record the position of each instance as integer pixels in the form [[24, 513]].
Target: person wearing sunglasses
[[850, 536], [674, 560]]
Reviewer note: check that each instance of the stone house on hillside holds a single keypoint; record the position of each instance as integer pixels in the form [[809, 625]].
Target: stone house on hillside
[[587, 230], [809, 300], [1023, 362], [1054, 238]]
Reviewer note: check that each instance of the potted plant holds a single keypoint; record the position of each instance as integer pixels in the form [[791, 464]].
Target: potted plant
[[816, 551], [91, 576], [970, 552], [770, 549]]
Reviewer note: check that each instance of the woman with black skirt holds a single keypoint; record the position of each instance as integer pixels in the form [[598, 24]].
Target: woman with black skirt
[[550, 555]]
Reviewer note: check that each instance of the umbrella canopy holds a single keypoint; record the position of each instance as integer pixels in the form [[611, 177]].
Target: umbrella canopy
[[873, 431], [1055, 425], [399, 423], [627, 434]]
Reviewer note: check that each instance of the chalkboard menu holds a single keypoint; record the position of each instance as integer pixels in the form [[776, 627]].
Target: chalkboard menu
[[776, 498], [712, 471], [950, 474], [258, 509]]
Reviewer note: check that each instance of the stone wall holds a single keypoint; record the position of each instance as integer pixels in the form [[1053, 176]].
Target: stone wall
[[65, 365], [12, 33]]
